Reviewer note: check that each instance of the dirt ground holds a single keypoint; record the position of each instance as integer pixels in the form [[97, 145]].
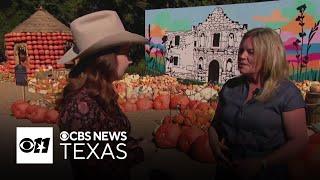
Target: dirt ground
[[170, 163]]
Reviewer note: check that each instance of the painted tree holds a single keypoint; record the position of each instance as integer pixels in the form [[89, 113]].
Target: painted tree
[[303, 59]]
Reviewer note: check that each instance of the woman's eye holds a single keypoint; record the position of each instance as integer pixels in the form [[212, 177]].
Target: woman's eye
[[251, 51]]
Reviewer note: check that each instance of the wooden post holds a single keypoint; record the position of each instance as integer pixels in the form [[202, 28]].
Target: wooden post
[[24, 93]]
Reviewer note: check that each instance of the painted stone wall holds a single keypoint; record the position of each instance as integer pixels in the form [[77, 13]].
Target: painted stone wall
[[201, 43]]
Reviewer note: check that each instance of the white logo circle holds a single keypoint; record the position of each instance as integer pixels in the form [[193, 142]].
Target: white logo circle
[[64, 135]]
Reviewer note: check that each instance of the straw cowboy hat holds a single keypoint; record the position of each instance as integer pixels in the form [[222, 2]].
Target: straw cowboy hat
[[98, 31]]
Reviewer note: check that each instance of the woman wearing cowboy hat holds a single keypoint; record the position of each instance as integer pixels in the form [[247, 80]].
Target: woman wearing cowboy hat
[[89, 101]]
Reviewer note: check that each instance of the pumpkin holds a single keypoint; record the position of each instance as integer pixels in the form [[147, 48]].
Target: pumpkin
[[38, 116], [29, 111], [36, 52], [121, 106], [144, 104], [190, 117], [11, 62], [187, 137], [132, 99], [30, 52], [130, 107], [120, 87], [179, 101], [193, 104], [201, 150], [9, 47], [18, 109], [167, 120], [41, 51], [205, 107], [9, 52], [161, 102], [315, 88], [51, 116], [167, 135], [179, 119]]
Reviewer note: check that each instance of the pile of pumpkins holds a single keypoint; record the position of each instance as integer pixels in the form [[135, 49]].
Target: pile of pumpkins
[[195, 113], [191, 140], [143, 93], [4, 73], [187, 131], [35, 113], [42, 49]]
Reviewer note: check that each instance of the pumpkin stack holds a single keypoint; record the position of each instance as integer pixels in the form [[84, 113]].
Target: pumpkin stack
[[43, 40]]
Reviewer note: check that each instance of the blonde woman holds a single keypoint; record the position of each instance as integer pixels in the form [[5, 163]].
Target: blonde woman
[[260, 121]]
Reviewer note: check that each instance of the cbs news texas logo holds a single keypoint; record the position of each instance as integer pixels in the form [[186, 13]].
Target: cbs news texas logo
[[34, 145]]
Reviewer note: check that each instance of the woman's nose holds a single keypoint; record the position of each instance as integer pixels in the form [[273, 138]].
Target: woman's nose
[[242, 55]]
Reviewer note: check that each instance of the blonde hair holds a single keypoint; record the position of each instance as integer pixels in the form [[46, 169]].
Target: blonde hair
[[269, 52]]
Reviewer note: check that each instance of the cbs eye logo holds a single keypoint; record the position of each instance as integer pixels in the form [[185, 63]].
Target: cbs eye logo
[[38, 145], [34, 145]]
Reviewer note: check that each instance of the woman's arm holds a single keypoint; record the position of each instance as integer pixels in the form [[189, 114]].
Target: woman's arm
[[213, 136], [296, 131], [214, 142]]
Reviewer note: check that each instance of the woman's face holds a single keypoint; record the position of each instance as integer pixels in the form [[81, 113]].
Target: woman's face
[[123, 60], [247, 64]]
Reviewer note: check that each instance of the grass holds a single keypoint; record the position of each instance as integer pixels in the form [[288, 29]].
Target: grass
[[312, 75]]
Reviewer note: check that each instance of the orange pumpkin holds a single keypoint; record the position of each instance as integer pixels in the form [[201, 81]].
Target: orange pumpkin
[[187, 137], [190, 116], [201, 150], [161, 102], [51, 116], [18, 109], [167, 135], [167, 120], [130, 107], [179, 119], [193, 104], [179, 101], [120, 87], [205, 107], [144, 104], [38, 116]]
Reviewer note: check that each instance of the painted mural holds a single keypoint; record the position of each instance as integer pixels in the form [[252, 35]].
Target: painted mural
[[201, 43]]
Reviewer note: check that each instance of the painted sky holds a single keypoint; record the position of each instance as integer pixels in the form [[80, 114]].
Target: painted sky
[[274, 14]]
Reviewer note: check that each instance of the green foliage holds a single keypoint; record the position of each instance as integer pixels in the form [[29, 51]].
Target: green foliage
[[140, 68], [191, 82], [312, 75], [14, 12]]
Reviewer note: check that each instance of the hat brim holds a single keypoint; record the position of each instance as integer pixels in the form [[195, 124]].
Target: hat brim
[[109, 41]]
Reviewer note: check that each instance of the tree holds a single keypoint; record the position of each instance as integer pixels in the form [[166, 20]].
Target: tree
[[131, 12]]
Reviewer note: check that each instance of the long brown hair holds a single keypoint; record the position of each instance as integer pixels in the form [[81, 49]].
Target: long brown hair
[[270, 53], [95, 73]]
